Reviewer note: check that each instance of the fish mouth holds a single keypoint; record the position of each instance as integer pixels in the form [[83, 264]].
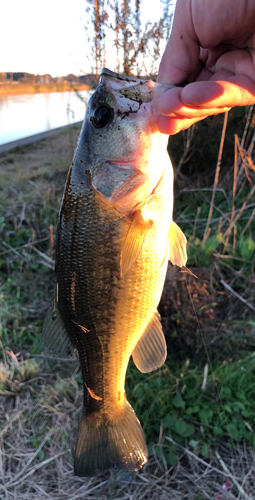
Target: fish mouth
[[133, 94], [133, 79], [134, 89], [119, 76]]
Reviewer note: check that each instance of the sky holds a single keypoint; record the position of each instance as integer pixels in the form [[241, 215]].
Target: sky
[[48, 37], [43, 37]]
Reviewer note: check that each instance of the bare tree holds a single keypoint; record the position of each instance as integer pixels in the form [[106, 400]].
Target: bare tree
[[136, 44], [99, 18]]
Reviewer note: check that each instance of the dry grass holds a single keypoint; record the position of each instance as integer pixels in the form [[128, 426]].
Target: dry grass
[[41, 399], [39, 415]]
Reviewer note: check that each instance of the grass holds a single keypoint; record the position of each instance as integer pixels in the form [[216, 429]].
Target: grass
[[198, 410], [196, 406]]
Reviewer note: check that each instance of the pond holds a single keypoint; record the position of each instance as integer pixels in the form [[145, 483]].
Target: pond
[[29, 114]]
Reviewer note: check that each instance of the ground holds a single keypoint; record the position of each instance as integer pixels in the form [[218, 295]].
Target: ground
[[207, 327]]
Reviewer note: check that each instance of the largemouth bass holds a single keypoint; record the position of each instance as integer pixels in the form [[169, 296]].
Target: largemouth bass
[[114, 238]]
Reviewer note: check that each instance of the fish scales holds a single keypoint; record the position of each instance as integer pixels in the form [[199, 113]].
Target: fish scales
[[106, 304], [111, 260]]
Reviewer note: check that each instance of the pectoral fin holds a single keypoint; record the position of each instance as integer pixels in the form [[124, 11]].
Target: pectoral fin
[[133, 242], [55, 337], [150, 351], [177, 244]]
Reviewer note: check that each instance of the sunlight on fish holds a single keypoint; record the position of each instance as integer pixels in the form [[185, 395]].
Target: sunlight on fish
[[114, 239]]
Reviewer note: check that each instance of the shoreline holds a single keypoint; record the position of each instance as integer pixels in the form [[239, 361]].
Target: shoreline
[[40, 88], [24, 141]]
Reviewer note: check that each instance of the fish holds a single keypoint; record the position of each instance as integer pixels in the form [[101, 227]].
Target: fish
[[115, 236]]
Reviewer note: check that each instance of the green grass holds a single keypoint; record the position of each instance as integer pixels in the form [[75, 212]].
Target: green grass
[[192, 414]]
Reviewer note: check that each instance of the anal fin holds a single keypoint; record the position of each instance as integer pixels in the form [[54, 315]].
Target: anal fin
[[150, 351], [55, 337], [134, 241], [177, 244]]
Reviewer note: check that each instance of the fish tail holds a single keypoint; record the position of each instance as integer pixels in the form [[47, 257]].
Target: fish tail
[[108, 444]]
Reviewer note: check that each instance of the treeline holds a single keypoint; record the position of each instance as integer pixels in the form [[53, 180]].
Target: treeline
[[30, 78]]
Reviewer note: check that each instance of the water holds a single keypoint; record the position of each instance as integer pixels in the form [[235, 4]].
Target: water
[[29, 114]]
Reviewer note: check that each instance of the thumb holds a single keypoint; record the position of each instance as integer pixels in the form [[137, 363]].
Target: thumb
[[180, 60]]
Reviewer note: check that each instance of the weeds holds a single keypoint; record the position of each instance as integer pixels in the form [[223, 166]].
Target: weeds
[[14, 374], [191, 408], [39, 431], [195, 412]]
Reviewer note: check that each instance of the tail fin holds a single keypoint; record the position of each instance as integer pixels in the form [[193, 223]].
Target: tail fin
[[109, 444]]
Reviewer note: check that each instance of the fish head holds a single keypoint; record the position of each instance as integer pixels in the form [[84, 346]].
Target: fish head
[[120, 139], [118, 116]]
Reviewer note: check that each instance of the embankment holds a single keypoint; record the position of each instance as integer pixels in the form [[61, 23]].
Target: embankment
[[39, 88]]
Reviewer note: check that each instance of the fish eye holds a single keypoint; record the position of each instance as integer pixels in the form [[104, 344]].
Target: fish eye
[[102, 115]]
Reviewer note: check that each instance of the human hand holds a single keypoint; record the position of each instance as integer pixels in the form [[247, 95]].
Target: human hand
[[212, 45]]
